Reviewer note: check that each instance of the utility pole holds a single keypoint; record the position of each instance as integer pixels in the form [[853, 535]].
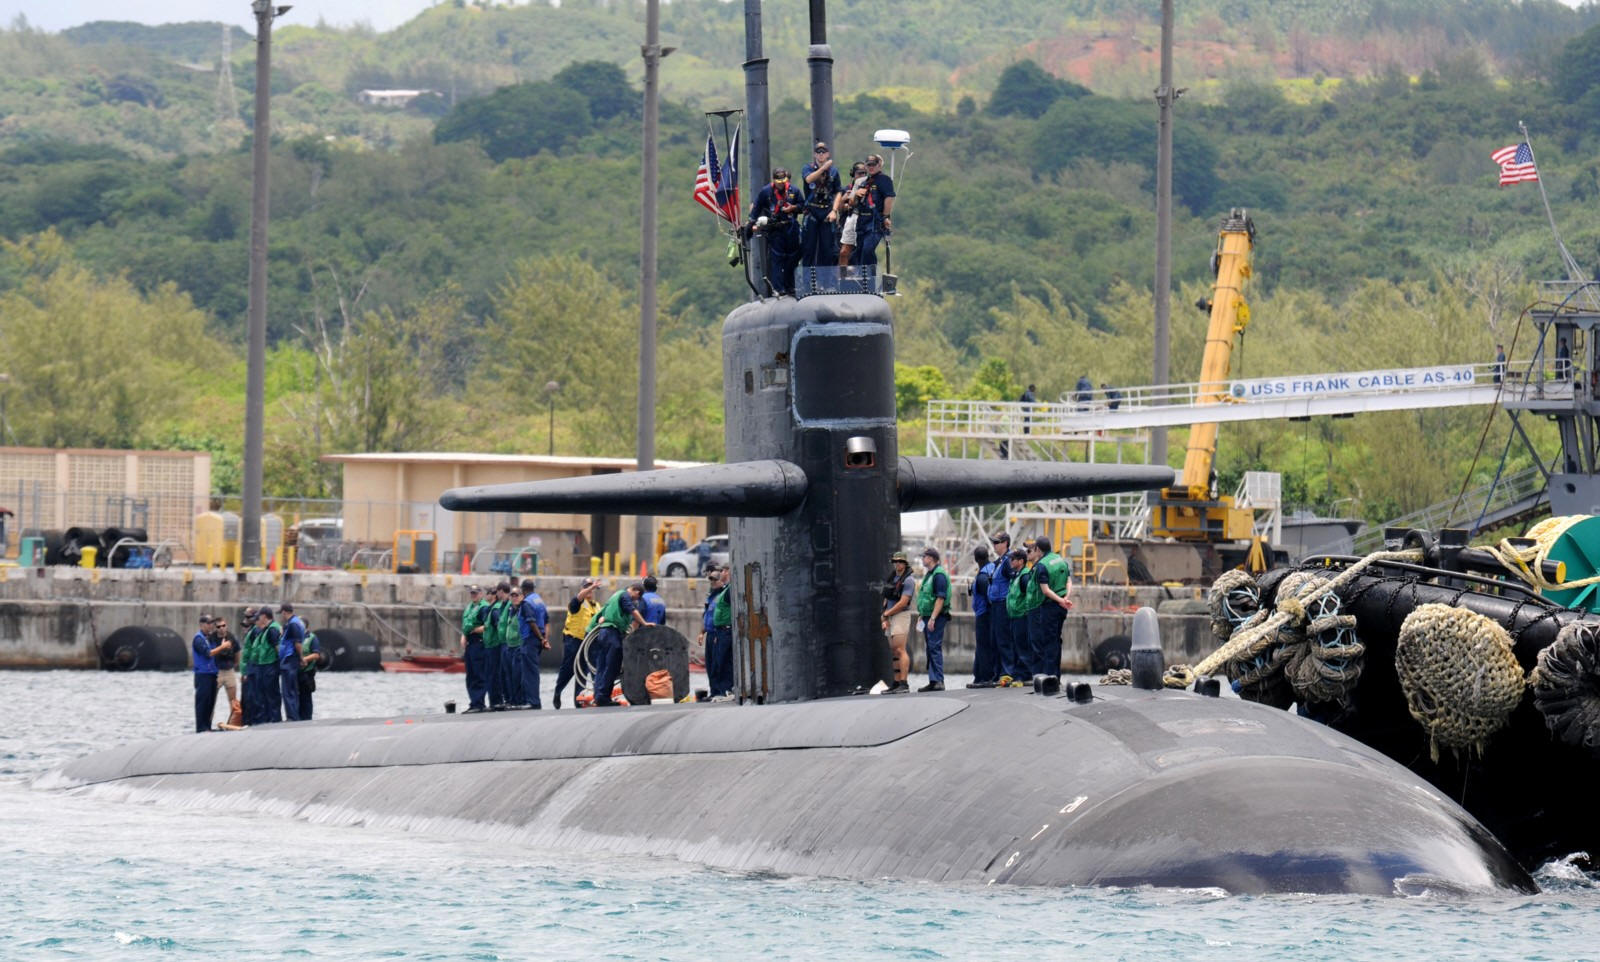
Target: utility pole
[[256, 359], [652, 51], [1165, 96]]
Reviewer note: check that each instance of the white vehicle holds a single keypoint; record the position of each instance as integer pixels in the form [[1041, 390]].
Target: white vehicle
[[683, 564], [320, 530]]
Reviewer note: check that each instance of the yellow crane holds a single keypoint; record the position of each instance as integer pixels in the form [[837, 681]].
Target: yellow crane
[[1192, 511]]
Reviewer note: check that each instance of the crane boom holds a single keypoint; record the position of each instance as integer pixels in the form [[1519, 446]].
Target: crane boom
[[1229, 316], [1191, 511]]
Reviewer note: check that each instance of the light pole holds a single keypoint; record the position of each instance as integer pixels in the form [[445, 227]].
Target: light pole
[[652, 52], [550, 389], [256, 354], [1165, 95], [5, 427]]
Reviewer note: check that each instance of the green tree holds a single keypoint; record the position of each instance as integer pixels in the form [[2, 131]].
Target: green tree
[[1577, 67], [559, 319], [604, 86], [1027, 89], [99, 363], [915, 387], [518, 121]]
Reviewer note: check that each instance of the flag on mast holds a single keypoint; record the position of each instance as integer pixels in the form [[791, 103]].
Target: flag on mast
[[728, 182], [1516, 164], [705, 178]]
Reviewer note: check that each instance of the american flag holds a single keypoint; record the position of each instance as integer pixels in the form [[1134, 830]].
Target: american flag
[[704, 193], [1516, 164]]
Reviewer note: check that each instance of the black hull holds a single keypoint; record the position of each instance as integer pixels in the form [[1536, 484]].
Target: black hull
[[1134, 788]]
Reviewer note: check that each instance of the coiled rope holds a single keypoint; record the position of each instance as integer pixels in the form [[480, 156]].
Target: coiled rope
[[1235, 599], [1253, 638], [1460, 675], [1178, 676], [582, 668], [1527, 562]]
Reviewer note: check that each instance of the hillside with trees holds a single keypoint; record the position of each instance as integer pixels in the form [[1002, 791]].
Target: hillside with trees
[[432, 267]]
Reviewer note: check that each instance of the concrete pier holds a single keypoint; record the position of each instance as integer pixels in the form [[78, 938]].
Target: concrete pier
[[56, 617]]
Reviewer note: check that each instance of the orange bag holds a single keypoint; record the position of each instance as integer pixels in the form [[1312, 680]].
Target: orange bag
[[659, 684]]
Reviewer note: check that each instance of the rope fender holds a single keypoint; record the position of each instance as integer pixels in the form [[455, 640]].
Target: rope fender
[[1459, 674], [1566, 685]]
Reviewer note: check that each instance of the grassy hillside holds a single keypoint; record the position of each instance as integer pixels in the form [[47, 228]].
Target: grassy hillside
[[415, 284]]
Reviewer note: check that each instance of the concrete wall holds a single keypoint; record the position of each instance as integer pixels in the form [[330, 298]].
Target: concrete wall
[[55, 617]]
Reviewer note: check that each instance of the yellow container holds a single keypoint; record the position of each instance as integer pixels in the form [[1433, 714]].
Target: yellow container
[[86, 557]]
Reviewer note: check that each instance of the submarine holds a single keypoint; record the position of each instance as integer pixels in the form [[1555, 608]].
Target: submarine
[[806, 774]]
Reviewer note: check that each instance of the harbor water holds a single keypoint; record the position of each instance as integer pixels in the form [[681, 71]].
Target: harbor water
[[86, 877]]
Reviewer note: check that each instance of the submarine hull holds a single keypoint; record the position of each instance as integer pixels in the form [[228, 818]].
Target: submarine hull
[[1133, 788]]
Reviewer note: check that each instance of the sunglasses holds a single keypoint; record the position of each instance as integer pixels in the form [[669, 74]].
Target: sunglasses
[[820, 150]]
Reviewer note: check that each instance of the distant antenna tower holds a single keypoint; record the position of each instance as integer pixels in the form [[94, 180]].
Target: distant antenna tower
[[227, 105]]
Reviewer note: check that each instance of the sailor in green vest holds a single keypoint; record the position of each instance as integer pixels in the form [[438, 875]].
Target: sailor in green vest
[[719, 639], [1050, 585], [616, 618], [472, 651], [511, 639], [1017, 609], [933, 607], [261, 653], [310, 660], [494, 645]]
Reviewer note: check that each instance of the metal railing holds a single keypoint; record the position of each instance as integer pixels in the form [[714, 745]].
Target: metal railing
[[834, 280], [1481, 502], [1064, 419], [155, 558]]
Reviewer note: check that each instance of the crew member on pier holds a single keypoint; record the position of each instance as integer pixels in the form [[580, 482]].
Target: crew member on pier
[[1017, 609], [933, 608], [533, 621], [472, 648], [292, 634], [1051, 586], [985, 660], [205, 648], [581, 610], [619, 616], [311, 658], [1000, 619]]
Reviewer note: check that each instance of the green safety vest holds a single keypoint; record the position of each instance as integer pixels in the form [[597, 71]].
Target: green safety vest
[[510, 631], [260, 646], [611, 614], [469, 617], [926, 597], [307, 647], [1058, 572], [491, 629], [722, 611], [1022, 596], [247, 648], [269, 644]]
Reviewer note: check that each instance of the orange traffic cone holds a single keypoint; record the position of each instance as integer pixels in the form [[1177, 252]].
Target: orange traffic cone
[[466, 564]]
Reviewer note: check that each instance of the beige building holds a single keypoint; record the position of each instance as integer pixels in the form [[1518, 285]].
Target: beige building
[[384, 493], [53, 489]]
